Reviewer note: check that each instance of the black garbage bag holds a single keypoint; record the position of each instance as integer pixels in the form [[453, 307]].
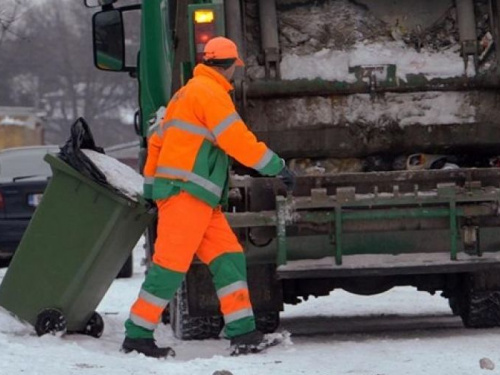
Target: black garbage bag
[[81, 138]]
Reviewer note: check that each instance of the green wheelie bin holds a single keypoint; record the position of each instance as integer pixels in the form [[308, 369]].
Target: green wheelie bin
[[78, 239]]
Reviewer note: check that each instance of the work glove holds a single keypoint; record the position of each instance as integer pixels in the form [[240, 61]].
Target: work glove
[[288, 178]]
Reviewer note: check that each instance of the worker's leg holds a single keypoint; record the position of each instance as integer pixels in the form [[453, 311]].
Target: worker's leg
[[223, 254], [182, 222]]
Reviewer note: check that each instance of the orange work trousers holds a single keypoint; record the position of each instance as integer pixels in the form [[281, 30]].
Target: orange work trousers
[[187, 227]]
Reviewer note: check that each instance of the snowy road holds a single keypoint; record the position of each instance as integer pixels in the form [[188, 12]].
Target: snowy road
[[399, 332]]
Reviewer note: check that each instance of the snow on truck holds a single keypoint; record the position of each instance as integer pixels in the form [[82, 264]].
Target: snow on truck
[[386, 110]]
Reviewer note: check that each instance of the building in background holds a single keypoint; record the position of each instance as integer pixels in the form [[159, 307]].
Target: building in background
[[21, 126]]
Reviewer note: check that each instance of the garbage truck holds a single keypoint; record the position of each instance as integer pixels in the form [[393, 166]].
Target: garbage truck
[[388, 113]]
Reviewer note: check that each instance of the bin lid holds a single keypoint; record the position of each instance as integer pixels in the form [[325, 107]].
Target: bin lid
[[119, 175]]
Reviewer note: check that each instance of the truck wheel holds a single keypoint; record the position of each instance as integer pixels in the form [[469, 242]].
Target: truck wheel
[[186, 327], [267, 322], [50, 321], [127, 269], [95, 326], [480, 309], [479, 302]]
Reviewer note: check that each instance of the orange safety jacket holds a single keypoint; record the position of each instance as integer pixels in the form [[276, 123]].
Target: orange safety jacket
[[189, 148]]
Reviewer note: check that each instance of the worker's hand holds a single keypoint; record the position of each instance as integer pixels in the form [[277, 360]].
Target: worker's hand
[[288, 178]]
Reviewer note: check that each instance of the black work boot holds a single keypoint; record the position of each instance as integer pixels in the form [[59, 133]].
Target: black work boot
[[251, 342], [147, 347]]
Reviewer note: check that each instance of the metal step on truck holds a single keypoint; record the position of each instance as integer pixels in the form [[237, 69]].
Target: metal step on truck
[[388, 113]]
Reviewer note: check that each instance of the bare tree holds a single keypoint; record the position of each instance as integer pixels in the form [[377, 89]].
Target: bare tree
[[10, 13], [51, 68]]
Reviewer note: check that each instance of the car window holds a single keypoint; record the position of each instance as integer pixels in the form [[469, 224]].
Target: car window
[[25, 163]]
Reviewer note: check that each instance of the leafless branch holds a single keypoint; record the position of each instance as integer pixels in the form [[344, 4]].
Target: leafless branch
[[9, 16]]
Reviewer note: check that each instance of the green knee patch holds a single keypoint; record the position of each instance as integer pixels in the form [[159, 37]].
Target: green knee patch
[[227, 269], [162, 282]]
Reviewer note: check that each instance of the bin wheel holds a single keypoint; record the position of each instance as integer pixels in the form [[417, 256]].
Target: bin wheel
[[95, 326], [50, 321]]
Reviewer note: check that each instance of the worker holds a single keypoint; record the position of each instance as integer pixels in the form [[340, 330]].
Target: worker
[[186, 173]]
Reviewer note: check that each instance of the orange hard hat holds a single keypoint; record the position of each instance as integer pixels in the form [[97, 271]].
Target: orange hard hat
[[220, 48]]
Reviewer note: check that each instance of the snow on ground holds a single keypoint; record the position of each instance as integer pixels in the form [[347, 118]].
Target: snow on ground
[[399, 332]]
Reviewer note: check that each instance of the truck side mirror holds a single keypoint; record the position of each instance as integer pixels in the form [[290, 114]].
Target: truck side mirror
[[108, 40]]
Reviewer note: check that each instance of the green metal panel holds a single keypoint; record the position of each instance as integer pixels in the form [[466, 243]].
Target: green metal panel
[[77, 241], [155, 60], [392, 242]]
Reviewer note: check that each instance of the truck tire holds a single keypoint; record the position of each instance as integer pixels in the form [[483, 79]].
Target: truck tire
[[127, 269], [186, 327], [479, 302], [480, 309], [267, 322]]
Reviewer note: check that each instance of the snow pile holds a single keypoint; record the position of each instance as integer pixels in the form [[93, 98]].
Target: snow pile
[[11, 121], [363, 112], [334, 65], [326, 39], [327, 64], [118, 175], [425, 108]]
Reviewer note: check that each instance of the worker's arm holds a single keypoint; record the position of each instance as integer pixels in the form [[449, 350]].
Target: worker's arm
[[234, 137]]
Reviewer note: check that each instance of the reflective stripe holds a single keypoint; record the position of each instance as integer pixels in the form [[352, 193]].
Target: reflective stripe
[[188, 127], [149, 180], [198, 180], [153, 129], [238, 315], [264, 160], [231, 288], [156, 120], [138, 321], [157, 301], [224, 124]]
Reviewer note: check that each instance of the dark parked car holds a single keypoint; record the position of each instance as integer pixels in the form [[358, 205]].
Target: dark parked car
[[23, 178]]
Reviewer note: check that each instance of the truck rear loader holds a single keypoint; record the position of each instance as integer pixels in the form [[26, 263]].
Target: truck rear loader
[[388, 113]]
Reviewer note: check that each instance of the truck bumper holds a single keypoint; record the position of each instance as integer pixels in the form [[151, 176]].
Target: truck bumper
[[387, 264]]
